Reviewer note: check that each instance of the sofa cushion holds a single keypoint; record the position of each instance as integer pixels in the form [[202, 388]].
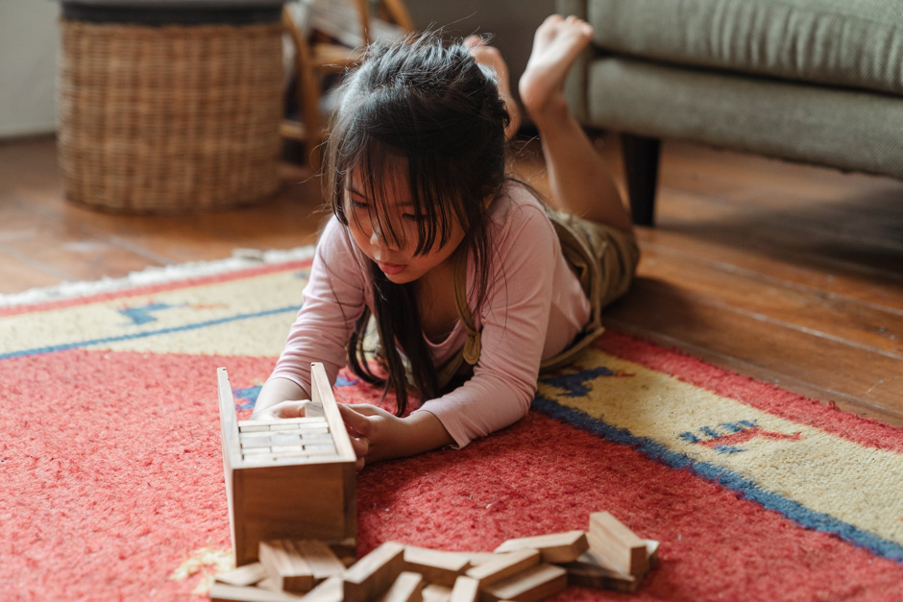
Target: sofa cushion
[[854, 43], [844, 128]]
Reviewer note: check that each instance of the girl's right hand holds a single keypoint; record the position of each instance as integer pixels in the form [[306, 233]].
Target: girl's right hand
[[285, 409]]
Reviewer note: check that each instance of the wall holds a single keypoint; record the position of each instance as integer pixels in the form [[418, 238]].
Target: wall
[[29, 43], [512, 23]]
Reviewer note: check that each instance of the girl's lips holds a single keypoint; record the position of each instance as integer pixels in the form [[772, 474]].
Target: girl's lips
[[391, 268]]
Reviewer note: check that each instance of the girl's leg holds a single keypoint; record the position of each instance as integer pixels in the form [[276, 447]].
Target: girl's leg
[[491, 57], [578, 176]]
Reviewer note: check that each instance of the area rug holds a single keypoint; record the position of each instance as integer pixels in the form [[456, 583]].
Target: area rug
[[111, 467]]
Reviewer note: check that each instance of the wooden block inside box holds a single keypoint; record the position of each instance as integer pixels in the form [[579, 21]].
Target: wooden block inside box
[[306, 492]]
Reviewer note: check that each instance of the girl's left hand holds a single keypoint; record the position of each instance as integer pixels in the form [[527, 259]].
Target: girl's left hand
[[385, 434]]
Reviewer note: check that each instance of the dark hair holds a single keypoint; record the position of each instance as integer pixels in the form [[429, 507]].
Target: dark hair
[[425, 105]]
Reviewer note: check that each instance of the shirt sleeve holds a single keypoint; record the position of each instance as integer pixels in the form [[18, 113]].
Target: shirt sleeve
[[333, 300], [514, 320]]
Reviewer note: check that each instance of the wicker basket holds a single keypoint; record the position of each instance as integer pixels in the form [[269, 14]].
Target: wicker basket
[[169, 119]]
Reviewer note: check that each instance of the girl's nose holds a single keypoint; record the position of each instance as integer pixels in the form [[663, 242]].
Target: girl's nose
[[378, 240]]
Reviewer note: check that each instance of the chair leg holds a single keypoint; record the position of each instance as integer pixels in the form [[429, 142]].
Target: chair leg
[[641, 156]]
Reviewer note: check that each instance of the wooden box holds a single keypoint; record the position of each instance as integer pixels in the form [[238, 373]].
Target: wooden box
[[289, 479]]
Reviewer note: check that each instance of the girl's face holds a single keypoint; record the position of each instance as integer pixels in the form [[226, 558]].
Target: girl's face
[[396, 259]]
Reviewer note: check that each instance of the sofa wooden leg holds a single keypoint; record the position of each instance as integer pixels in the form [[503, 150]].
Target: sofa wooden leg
[[641, 156]]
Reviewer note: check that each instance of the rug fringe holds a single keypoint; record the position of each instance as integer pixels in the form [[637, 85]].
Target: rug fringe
[[241, 258]]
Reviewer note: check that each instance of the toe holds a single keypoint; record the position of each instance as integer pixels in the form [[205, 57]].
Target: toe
[[473, 41]]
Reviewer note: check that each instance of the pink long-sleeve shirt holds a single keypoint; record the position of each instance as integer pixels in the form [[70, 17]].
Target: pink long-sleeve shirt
[[534, 308]]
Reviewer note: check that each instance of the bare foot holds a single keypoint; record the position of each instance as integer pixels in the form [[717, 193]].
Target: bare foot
[[490, 56], [557, 43]]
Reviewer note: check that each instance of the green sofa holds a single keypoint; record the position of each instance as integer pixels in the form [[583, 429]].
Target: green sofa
[[814, 81]]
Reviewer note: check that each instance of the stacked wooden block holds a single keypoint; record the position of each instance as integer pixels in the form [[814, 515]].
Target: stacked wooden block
[[530, 569]]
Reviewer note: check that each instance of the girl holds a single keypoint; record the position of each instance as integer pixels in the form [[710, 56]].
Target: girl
[[473, 284]]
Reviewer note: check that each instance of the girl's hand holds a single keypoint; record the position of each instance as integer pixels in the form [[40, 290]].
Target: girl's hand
[[285, 409], [378, 435], [383, 434]]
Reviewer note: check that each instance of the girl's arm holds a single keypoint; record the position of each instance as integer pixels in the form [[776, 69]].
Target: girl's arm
[[333, 300], [280, 398]]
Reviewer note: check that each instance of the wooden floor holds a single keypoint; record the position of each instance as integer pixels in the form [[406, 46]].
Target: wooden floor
[[787, 273]]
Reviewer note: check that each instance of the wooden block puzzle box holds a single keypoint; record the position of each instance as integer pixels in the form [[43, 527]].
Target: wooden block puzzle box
[[292, 478]]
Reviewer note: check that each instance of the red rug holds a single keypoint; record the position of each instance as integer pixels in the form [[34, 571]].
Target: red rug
[[112, 471]]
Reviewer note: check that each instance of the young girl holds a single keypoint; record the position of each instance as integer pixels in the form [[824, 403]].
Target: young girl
[[473, 283]]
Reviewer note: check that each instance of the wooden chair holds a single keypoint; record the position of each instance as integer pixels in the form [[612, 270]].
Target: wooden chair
[[314, 60]]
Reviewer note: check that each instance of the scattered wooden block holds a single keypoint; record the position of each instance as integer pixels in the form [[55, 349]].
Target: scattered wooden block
[[406, 588], [555, 547], [592, 570], [436, 593], [346, 551], [269, 494], [652, 551], [437, 566], [323, 561], [222, 592], [532, 585], [328, 591], [371, 576], [504, 566], [286, 566], [615, 542], [478, 558], [465, 590], [244, 575]]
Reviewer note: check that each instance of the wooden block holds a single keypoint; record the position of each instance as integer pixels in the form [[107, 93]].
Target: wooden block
[[254, 426], [465, 590], [264, 442], [346, 551], [555, 547], [436, 593], [504, 566], [287, 450], [371, 576], [478, 558], [269, 496], [323, 561], [592, 570], [652, 551], [328, 591], [534, 584], [244, 575], [286, 565], [221, 592], [270, 584], [406, 588], [437, 566], [618, 544]]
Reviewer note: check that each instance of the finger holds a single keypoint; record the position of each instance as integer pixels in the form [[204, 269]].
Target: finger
[[360, 445], [289, 409], [357, 421], [364, 408]]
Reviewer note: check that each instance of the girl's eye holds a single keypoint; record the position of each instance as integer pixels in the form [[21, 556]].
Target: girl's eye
[[358, 205], [413, 218]]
